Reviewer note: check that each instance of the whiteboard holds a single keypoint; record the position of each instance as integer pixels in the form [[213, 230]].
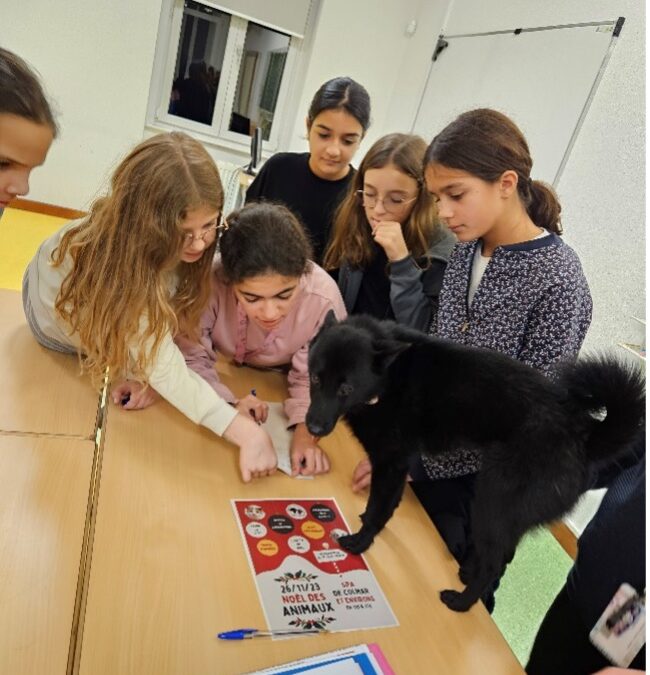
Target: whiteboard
[[542, 78]]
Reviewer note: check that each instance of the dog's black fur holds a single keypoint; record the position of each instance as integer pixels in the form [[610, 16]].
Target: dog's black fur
[[403, 393]]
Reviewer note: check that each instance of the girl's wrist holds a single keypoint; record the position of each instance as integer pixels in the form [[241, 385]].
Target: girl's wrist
[[301, 431], [400, 258], [240, 429]]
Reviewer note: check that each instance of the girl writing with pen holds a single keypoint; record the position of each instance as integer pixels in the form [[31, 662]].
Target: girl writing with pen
[[268, 301]]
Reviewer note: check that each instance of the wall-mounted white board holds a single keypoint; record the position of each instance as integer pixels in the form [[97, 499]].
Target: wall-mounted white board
[[543, 78]]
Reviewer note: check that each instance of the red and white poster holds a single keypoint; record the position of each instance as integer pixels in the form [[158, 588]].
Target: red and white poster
[[304, 578]]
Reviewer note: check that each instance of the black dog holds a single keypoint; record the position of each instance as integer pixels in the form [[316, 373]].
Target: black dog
[[403, 393]]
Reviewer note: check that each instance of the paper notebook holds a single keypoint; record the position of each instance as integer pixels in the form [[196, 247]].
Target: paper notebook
[[357, 660]]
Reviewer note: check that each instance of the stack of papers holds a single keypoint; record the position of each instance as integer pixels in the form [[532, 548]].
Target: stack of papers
[[358, 660]]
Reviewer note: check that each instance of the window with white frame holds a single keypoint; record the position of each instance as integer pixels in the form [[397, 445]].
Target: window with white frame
[[223, 75]]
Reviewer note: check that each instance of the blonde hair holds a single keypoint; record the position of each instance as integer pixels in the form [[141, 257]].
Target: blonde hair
[[124, 254], [352, 240]]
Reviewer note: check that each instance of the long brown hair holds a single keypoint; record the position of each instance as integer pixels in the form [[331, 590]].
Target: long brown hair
[[485, 143], [126, 257], [351, 240]]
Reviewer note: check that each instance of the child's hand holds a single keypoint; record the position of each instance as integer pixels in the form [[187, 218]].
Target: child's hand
[[361, 475], [132, 395], [257, 455], [253, 407], [307, 457], [389, 236]]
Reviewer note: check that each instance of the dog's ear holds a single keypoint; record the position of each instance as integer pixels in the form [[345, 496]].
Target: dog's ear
[[386, 351], [330, 319]]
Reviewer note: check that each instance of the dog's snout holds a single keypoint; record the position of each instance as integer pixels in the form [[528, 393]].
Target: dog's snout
[[316, 429], [318, 424]]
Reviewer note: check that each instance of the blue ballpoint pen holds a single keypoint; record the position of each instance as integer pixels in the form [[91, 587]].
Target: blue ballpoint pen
[[254, 393], [247, 633]]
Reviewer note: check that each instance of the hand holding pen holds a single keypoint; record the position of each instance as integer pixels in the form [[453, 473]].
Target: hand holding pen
[[253, 407]]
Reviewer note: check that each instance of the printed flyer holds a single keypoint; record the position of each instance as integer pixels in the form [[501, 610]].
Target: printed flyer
[[304, 579]]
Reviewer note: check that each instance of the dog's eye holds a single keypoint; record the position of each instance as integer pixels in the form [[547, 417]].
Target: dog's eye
[[345, 389], [314, 379]]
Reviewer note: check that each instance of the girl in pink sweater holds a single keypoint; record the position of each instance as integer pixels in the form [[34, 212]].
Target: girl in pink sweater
[[268, 301]]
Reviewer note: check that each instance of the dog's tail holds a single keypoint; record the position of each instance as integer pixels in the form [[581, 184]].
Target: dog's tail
[[612, 392]]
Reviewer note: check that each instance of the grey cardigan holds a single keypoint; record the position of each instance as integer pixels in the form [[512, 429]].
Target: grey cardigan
[[414, 284]]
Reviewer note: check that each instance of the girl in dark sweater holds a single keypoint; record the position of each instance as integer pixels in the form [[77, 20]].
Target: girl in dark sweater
[[387, 246], [312, 184]]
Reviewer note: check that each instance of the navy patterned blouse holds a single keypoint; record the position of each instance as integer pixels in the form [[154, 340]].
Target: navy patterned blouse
[[532, 303]]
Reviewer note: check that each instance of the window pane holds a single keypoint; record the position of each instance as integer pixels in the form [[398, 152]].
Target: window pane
[[199, 61], [260, 76]]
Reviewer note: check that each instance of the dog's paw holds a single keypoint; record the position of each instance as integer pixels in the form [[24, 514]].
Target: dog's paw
[[465, 574], [455, 601], [356, 543]]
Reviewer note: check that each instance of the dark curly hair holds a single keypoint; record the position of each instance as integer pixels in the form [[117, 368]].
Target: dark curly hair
[[263, 238]]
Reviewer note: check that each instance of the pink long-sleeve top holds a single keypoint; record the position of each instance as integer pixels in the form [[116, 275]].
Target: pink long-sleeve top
[[226, 329]]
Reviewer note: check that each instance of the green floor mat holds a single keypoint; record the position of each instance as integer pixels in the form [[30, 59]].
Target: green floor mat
[[528, 588]]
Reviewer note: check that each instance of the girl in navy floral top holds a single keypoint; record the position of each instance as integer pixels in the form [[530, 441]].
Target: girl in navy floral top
[[511, 283]]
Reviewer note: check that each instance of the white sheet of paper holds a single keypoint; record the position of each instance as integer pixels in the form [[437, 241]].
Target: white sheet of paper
[[276, 426]]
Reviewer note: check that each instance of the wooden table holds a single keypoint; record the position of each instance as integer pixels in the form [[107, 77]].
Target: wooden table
[[169, 569], [44, 484], [42, 391]]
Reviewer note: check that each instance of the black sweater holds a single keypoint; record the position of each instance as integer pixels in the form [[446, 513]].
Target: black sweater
[[286, 178]]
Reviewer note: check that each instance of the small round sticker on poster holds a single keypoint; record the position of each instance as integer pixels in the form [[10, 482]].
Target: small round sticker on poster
[[298, 544], [254, 512], [322, 513], [336, 534], [267, 547], [280, 524], [256, 530], [312, 530], [296, 511]]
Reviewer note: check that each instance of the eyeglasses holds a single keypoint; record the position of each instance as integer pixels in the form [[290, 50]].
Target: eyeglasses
[[392, 204], [220, 223]]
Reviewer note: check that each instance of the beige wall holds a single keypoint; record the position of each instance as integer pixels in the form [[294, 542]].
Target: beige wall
[[95, 59]]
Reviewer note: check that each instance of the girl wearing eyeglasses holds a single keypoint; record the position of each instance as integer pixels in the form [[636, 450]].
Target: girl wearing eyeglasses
[[312, 184], [387, 245], [269, 300], [117, 286]]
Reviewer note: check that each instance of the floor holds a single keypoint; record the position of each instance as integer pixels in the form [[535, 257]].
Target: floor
[[533, 578]]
